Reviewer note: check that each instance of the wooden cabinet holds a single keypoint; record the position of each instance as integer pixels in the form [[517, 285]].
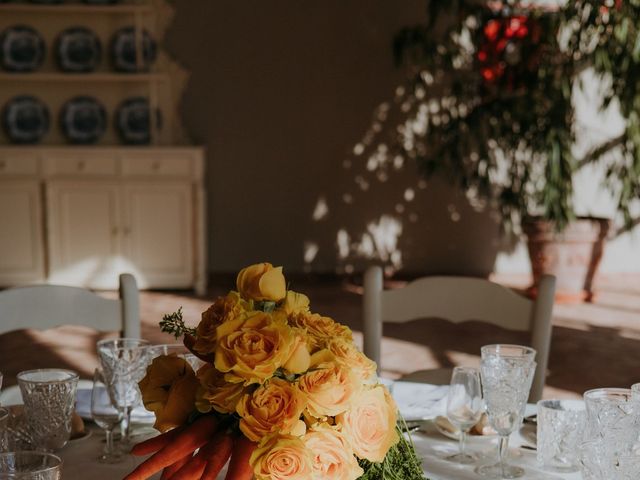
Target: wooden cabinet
[[21, 241], [107, 211]]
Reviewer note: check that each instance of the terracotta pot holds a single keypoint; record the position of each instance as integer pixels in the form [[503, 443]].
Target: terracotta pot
[[572, 255]]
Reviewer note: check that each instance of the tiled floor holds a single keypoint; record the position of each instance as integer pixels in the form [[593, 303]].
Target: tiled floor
[[593, 344]]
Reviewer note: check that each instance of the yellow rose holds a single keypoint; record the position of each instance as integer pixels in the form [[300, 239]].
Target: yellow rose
[[282, 457], [251, 350], [262, 282], [294, 303], [223, 309], [274, 407], [370, 423], [299, 358], [329, 385], [215, 392], [319, 329], [347, 353], [333, 457], [168, 390]]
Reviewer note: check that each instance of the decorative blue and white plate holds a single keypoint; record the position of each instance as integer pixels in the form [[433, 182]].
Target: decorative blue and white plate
[[22, 49], [133, 121], [83, 120], [124, 51], [25, 119], [78, 50]]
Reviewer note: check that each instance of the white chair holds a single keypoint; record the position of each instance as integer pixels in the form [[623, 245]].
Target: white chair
[[459, 299], [48, 306]]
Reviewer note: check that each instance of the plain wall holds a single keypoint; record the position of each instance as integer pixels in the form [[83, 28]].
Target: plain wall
[[281, 91]]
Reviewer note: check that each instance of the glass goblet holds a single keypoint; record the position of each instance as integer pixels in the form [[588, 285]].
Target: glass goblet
[[507, 372], [106, 415], [124, 361], [174, 349], [29, 465], [464, 407]]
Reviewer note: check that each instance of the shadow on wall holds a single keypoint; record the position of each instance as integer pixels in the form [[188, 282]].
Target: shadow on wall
[[280, 93]]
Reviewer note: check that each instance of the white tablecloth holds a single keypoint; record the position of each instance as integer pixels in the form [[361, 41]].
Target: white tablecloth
[[80, 458]]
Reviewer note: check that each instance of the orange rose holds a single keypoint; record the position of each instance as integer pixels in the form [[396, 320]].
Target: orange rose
[[319, 329], [370, 423], [223, 309], [262, 282], [333, 457], [251, 350], [329, 385], [282, 457], [347, 353], [274, 407], [168, 390], [215, 392]]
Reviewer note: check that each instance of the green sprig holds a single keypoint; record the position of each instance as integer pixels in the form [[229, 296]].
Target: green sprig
[[173, 323]]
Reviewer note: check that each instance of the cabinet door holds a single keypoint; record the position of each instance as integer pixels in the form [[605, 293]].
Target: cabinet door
[[158, 240], [84, 238], [21, 243]]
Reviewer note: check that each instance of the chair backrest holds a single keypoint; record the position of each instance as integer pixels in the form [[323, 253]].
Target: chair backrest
[[49, 306], [460, 299]]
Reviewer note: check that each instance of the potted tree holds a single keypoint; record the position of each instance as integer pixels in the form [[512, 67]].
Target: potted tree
[[491, 105]]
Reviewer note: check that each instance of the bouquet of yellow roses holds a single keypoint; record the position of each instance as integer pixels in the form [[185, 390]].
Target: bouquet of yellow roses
[[282, 392]]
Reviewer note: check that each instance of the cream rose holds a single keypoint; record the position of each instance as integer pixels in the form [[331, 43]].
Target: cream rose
[[370, 423], [329, 385], [347, 353], [251, 350], [274, 407], [295, 303], [262, 282], [282, 457], [333, 457], [214, 392]]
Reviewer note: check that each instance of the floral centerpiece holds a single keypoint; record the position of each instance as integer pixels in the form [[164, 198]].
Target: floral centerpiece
[[282, 394]]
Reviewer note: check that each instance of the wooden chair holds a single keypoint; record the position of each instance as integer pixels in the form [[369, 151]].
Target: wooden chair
[[49, 306], [458, 299]]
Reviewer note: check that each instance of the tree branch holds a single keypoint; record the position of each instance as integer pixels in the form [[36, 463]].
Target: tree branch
[[600, 150]]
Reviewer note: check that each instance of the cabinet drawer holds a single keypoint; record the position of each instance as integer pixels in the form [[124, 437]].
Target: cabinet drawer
[[157, 165], [18, 164], [83, 164]]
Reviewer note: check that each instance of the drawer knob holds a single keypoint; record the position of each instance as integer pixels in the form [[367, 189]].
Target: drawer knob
[[82, 165], [3, 164], [155, 166]]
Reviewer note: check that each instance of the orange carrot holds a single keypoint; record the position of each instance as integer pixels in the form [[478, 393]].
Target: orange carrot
[[239, 467], [189, 341], [156, 443], [186, 441], [217, 458], [219, 445], [169, 471]]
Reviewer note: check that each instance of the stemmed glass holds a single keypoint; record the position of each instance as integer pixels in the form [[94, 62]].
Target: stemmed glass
[[507, 372], [106, 415], [124, 362], [174, 349], [464, 407]]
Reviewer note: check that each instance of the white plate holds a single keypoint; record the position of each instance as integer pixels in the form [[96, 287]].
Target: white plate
[[420, 401], [12, 396]]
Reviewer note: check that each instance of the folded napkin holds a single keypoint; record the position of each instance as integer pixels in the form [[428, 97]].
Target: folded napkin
[[420, 401]]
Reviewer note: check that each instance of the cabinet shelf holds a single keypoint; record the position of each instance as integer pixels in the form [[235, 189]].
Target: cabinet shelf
[[83, 77], [72, 8]]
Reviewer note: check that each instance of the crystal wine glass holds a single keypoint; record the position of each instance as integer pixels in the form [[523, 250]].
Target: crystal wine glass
[[124, 362], [464, 407], [507, 372], [106, 415]]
